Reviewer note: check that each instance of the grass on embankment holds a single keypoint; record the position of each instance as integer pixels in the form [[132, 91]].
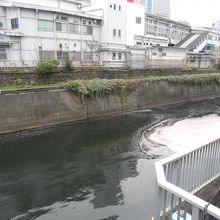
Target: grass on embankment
[[90, 88], [27, 87]]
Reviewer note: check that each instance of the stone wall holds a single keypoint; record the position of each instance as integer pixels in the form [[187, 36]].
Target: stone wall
[[40, 108], [9, 78]]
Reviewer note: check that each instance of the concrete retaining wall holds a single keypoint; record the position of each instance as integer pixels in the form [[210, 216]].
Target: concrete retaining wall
[[10, 78], [40, 108]]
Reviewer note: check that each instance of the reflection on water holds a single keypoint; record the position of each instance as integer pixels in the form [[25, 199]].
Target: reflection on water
[[95, 170]]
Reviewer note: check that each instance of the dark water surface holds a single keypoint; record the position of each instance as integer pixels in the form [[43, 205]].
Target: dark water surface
[[94, 170]]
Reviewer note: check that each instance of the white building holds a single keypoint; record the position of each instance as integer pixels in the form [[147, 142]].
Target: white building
[[161, 31], [102, 32], [34, 30]]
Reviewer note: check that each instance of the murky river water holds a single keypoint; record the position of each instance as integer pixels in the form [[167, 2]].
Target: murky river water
[[95, 170]]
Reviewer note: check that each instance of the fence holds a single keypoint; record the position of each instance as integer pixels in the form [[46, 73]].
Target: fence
[[181, 176], [165, 64], [17, 65]]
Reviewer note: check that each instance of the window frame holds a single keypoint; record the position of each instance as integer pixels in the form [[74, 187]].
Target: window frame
[[46, 29], [138, 20], [113, 56], [114, 32], [3, 52], [119, 33], [14, 23]]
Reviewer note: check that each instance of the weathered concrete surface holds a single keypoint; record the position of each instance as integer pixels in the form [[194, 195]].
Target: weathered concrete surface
[[9, 78], [211, 192], [26, 110], [40, 108]]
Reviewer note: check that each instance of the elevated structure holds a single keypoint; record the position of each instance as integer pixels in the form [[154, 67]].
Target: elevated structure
[[201, 41], [162, 32]]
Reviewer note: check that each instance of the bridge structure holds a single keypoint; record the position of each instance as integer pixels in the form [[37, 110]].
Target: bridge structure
[[180, 177]]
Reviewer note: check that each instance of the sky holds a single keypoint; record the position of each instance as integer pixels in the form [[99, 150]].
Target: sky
[[196, 12]]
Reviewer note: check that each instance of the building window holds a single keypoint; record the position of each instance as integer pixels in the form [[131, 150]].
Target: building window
[[119, 56], [46, 54], [209, 37], [114, 32], [119, 33], [114, 6], [63, 27], [64, 18], [110, 6], [119, 7], [138, 20], [87, 30], [62, 55], [73, 28], [14, 23], [3, 53], [45, 25], [113, 56]]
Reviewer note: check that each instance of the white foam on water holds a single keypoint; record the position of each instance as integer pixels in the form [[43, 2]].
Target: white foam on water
[[188, 133]]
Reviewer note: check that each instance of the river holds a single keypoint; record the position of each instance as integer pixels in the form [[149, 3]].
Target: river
[[99, 169]]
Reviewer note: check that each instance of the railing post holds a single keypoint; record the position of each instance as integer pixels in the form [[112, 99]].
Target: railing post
[[158, 202], [195, 213]]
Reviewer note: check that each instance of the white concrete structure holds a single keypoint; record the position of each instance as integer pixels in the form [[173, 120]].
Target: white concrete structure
[[158, 7], [34, 30], [201, 40], [162, 31], [113, 32], [88, 32]]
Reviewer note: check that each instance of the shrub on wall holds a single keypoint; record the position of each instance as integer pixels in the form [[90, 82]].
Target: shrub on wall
[[218, 65], [97, 87], [46, 67], [19, 82], [91, 88], [68, 64]]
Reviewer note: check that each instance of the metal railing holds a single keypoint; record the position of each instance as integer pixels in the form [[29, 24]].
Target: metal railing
[[180, 176]]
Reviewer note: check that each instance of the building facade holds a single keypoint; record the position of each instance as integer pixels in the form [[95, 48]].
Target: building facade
[[88, 32], [158, 7], [38, 30]]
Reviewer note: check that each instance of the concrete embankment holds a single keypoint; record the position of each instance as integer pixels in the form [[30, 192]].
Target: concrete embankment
[[11, 78], [40, 108]]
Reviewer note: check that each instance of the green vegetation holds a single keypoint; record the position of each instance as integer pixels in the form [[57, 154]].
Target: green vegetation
[[67, 64], [19, 82], [195, 80], [186, 70], [98, 87], [46, 67], [103, 87], [26, 87]]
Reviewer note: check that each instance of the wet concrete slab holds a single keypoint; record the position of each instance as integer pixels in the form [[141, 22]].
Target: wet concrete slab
[[211, 193]]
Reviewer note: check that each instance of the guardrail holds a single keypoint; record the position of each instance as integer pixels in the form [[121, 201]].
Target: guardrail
[[180, 176]]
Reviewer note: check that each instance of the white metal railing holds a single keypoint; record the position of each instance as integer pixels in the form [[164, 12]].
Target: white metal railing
[[180, 176]]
